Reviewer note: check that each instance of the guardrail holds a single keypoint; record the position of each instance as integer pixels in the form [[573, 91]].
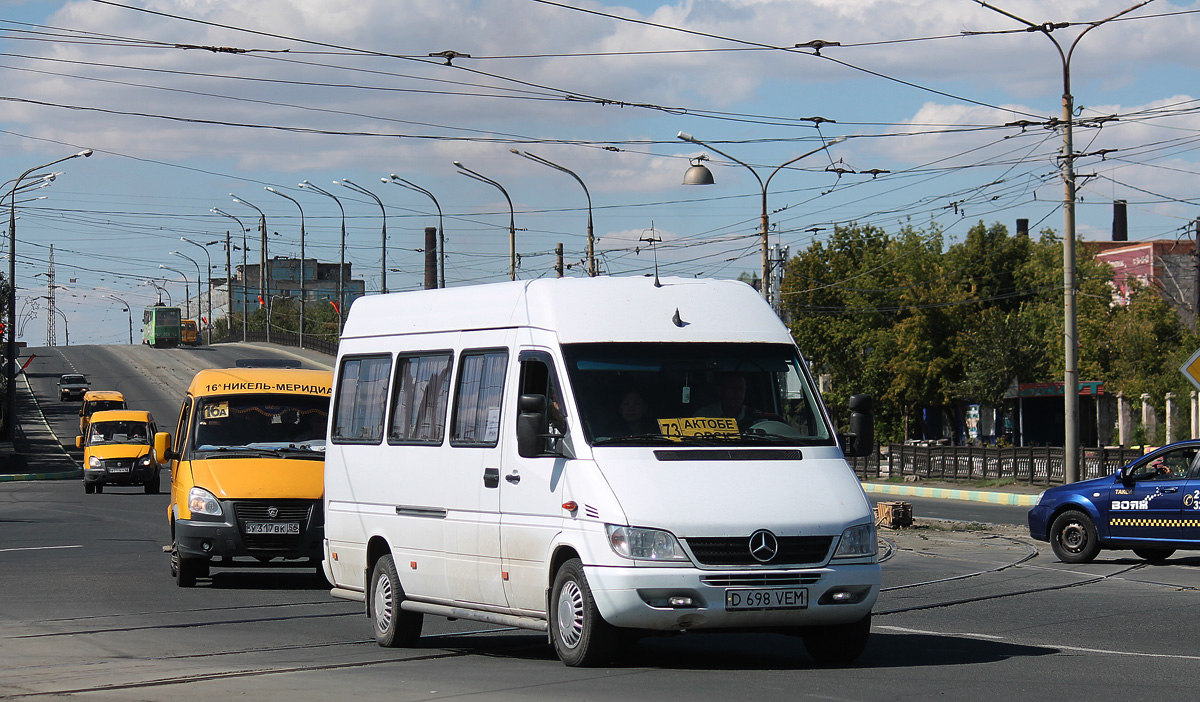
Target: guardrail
[[1035, 465], [311, 342]]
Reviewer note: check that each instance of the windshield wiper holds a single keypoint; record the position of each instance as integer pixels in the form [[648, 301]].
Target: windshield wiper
[[635, 439]]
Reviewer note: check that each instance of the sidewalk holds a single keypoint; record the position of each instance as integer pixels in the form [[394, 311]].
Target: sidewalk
[[35, 453]]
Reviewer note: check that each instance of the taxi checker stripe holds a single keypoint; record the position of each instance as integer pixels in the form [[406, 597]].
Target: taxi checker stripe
[[1155, 522]]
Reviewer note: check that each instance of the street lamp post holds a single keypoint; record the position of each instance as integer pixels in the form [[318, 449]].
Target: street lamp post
[[302, 263], [396, 180], [187, 308], [512, 217], [208, 258], [591, 238], [245, 294], [10, 366], [262, 268], [383, 245], [341, 256], [199, 296], [1070, 286], [698, 174], [66, 323], [130, 311]]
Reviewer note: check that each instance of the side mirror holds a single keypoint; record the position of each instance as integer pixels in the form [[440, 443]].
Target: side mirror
[[531, 425], [162, 447], [79, 442], [862, 426]]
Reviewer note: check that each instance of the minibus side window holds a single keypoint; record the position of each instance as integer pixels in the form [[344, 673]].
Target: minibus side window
[[422, 396], [538, 378], [477, 399], [360, 400], [181, 428]]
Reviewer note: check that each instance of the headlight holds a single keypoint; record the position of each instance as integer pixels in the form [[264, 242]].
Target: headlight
[[201, 501], [1038, 501], [644, 544], [145, 460], [857, 541], [95, 462]]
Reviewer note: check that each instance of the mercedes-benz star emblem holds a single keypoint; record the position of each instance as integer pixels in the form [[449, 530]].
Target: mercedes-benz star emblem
[[763, 545], [272, 512]]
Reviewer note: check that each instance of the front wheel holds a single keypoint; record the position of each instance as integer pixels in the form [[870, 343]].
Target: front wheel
[[187, 570], [837, 644], [152, 485], [394, 627], [1073, 537], [89, 488], [580, 635]]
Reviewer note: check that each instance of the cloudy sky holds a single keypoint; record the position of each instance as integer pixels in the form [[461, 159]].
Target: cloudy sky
[[187, 101]]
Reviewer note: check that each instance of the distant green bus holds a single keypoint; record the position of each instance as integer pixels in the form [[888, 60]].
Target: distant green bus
[[161, 326]]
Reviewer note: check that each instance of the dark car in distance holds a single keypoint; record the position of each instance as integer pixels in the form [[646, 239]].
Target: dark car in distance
[[72, 386]]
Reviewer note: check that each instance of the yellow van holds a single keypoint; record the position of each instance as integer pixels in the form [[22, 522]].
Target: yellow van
[[116, 451], [98, 401], [189, 333], [247, 470]]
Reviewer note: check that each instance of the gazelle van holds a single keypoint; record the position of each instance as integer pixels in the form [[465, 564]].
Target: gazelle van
[[592, 458]]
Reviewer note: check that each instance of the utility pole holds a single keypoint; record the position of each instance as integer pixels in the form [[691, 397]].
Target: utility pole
[[228, 287], [51, 339], [1071, 443]]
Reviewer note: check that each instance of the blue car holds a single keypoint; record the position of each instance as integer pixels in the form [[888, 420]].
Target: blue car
[[1151, 506]]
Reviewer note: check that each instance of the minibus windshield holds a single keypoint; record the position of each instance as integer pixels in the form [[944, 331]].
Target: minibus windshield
[[269, 422], [123, 432], [695, 393]]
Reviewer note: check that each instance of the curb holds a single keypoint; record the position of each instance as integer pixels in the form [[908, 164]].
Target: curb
[[995, 498], [62, 475]]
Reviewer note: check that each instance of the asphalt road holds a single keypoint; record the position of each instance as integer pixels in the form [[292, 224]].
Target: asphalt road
[[88, 611]]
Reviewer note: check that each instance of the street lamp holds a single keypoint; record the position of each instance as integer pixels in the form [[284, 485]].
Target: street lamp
[[699, 174], [1070, 286], [302, 264], [208, 258], [341, 257], [245, 295], [396, 180], [10, 366], [383, 256], [187, 308], [262, 269], [512, 224], [127, 309], [199, 298], [591, 239], [66, 323]]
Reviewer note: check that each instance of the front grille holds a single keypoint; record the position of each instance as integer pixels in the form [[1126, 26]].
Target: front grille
[[123, 463], [289, 511], [793, 550], [761, 579]]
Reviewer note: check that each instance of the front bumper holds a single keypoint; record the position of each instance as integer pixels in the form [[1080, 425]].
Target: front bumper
[[1039, 522], [226, 537], [640, 598], [132, 475]]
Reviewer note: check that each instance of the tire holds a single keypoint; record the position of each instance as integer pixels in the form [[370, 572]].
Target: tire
[[393, 626], [580, 636], [1073, 537], [837, 644], [99, 488], [187, 570], [1154, 555], [89, 488], [152, 485]]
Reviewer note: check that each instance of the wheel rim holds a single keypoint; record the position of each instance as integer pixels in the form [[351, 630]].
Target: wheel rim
[[383, 604], [570, 614], [1073, 537]]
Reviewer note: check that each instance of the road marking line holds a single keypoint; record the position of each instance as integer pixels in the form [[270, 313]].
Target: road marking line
[[1077, 649], [38, 548]]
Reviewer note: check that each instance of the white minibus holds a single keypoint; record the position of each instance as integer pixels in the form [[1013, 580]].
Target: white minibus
[[593, 458]]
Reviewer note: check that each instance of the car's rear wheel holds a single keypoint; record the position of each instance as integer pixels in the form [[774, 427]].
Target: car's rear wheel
[[837, 644], [394, 627], [580, 635], [1154, 555], [1073, 537]]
